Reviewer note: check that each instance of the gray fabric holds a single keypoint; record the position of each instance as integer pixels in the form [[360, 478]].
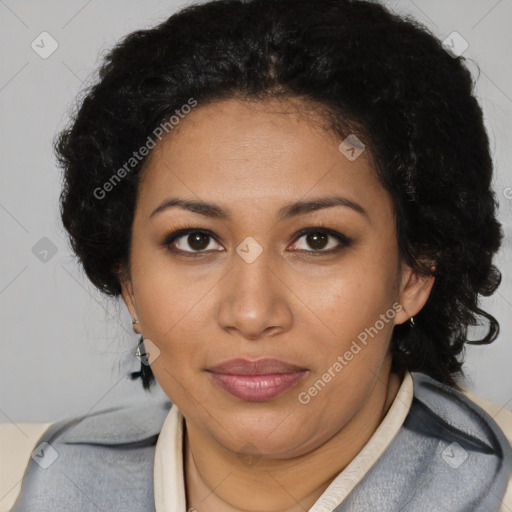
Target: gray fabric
[[105, 461], [423, 470]]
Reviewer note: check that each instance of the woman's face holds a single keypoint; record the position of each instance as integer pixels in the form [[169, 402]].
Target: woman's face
[[246, 285]]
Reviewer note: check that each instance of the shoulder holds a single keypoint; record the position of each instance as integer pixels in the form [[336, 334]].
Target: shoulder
[[463, 409], [499, 413], [503, 417], [101, 438], [485, 425]]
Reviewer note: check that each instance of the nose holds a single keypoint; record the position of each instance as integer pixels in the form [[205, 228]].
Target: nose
[[254, 299]]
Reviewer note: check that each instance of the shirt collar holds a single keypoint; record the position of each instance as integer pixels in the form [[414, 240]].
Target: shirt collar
[[169, 484]]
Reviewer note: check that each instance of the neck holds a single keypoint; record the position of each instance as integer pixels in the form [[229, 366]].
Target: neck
[[218, 481]]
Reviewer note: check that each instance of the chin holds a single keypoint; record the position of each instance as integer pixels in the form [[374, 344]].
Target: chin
[[276, 433]]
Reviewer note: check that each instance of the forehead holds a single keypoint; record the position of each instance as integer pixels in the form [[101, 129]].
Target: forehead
[[235, 150]]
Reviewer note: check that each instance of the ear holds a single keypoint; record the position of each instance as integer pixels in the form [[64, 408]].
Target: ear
[[414, 292], [129, 300]]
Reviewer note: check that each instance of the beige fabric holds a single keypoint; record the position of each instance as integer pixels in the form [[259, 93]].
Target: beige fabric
[[169, 483], [17, 442]]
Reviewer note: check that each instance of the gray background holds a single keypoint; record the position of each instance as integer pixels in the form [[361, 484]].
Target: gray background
[[66, 349]]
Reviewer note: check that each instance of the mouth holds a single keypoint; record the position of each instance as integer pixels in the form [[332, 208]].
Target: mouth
[[256, 381]]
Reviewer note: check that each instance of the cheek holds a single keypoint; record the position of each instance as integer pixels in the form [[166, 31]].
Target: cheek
[[345, 302], [171, 318], [352, 340], [182, 349], [168, 298]]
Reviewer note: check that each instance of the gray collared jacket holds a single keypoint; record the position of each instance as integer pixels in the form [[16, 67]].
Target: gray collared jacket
[[449, 455]]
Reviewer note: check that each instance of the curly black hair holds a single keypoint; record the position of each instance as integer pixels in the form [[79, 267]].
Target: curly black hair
[[384, 77]]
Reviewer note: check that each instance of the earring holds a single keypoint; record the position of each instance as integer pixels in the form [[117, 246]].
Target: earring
[[140, 350], [411, 321], [145, 372], [134, 321]]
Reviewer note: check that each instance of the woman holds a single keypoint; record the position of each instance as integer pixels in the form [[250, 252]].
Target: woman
[[293, 199]]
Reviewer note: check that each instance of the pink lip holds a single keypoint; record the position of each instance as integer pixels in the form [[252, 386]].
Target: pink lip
[[256, 380]]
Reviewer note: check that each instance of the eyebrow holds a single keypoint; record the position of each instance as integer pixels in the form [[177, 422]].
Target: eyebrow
[[290, 210]]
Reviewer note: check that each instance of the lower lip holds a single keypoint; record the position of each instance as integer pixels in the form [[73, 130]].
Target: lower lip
[[257, 388]]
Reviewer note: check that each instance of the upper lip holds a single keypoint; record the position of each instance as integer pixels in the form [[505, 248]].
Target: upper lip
[[265, 366]]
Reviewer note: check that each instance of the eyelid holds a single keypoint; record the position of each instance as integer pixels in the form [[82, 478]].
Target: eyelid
[[340, 237], [183, 231], [179, 232]]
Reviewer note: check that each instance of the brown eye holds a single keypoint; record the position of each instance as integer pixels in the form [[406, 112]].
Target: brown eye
[[198, 241], [190, 241], [317, 240], [321, 241]]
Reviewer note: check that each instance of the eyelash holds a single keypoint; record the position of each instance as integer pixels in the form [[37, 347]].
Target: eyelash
[[187, 230]]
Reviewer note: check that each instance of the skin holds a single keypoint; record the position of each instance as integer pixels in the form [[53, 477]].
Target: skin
[[291, 303]]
